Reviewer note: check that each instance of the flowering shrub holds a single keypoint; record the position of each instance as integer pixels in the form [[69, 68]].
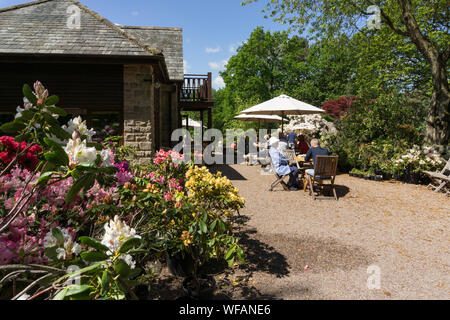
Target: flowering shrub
[[79, 211], [10, 148], [418, 158], [339, 107], [314, 125]]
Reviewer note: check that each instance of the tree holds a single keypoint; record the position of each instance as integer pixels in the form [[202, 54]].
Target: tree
[[422, 23], [266, 65]]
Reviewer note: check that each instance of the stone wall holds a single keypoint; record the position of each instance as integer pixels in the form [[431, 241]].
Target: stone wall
[[139, 109]]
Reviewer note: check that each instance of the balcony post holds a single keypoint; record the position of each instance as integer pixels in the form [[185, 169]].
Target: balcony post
[[209, 86]]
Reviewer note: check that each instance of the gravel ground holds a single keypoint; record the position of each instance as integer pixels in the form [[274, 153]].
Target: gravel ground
[[298, 248]]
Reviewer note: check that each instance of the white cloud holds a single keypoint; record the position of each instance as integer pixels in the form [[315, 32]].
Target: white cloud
[[218, 83], [135, 13], [186, 66], [213, 50], [218, 65]]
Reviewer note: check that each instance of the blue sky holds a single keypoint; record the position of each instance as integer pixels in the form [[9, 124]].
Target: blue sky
[[212, 29]]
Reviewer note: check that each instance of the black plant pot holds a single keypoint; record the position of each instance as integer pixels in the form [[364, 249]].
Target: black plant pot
[[207, 287], [379, 178], [180, 266]]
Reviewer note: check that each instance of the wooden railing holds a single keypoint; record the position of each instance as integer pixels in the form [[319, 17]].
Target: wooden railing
[[197, 88]]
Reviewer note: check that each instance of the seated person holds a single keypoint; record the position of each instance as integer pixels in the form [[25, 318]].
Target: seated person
[[281, 165], [301, 145], [291, 137], [316, 150]]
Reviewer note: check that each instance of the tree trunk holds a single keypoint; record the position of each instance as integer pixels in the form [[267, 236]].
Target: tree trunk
[[438, 121]]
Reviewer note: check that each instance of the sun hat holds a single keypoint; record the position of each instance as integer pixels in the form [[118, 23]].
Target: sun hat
[[273, 141]]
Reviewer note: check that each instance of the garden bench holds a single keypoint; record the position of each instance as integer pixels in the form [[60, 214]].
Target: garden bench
[[439, 179]]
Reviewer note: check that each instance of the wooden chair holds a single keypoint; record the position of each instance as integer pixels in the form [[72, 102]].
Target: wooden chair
[[439, 179], [279, 179], [325, 169]]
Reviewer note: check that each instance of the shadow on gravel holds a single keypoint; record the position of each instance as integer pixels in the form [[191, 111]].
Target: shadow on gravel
[[279, 255], [260, 256], [227, 171], [320, 255]]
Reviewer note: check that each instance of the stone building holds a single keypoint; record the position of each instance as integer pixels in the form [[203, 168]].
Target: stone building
[[122, 78]]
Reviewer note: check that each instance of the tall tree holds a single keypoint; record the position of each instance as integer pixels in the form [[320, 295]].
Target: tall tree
[[422, 23], [265, 65]]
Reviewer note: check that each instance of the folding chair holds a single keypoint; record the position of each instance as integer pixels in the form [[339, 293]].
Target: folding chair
[[439, 179], [279, 179], [324, 169]]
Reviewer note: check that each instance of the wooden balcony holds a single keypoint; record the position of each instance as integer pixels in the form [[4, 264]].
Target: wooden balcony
[[196, 92]]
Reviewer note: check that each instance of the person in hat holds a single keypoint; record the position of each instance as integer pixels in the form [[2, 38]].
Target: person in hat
[[281, 164]]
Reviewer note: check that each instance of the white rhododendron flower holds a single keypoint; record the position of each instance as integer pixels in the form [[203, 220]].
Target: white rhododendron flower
[[116, 234], [78, 152], [69, 247], [107, 157], [77, 124]]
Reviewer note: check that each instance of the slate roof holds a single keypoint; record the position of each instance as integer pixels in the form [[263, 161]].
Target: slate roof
[[40, 27], [168, 40]]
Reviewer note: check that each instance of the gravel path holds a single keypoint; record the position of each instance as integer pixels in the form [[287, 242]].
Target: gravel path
[[402, 229]]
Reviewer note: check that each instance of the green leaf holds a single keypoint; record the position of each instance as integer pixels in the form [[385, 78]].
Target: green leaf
[[60, 133], [81, 183], [78, 289], [122, 268], [58, 156], [129, 244], [12, 127], [94, 256], [51, 101], [203, 227], [56, 232], [57, 110], [51, 253], [50, 120], [93, 243], [230, 262], [61, 295], [105, 280], [81, 271], [28, 93], [45, 177], [230, 252], [28, 114], [134, 273]]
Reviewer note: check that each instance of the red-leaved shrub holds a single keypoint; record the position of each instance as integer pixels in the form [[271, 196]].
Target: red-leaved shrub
[[339, 107]]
